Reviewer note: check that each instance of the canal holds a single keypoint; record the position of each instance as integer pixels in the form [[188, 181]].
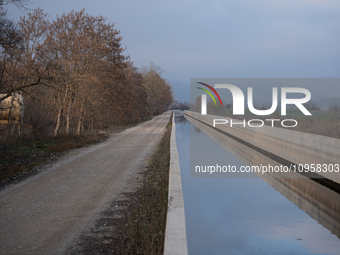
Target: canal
[[253, 215]]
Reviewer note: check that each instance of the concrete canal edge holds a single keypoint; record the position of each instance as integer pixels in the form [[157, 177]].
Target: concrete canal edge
[[287, 147], [175, 231]]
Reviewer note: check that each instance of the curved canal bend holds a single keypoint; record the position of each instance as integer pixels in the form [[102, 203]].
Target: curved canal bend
[[252, 215]]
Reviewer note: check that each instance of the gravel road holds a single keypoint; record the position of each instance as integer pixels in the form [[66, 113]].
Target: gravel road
[[46, 213]]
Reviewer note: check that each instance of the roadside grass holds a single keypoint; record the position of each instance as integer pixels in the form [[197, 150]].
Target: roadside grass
[[19, 157], [143, 229]]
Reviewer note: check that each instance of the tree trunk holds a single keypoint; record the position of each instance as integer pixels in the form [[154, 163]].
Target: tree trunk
[[9, 124], [58, 122], [67, 124], [79, 125], [62, 103], [80, 118], [68, 118]]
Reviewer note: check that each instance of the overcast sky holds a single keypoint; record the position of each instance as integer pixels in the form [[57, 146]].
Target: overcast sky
[[230, 38]]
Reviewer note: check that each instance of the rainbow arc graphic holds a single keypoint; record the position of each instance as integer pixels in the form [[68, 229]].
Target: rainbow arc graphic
[[209, 93]]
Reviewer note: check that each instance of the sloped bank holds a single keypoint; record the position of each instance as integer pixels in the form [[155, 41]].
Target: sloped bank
[[285, 146]]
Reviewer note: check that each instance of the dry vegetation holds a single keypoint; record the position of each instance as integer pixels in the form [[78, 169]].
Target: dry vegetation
[[19, 158]]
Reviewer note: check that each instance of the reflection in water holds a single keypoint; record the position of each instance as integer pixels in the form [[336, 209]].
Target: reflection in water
[[247, 216], [321, 203], [179, 116], [197, 130]]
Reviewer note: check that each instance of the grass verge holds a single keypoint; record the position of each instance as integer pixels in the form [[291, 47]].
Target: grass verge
[[143, 229], [19, 158]]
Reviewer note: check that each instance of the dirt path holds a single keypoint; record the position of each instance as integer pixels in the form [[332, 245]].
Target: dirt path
[[46, 213]]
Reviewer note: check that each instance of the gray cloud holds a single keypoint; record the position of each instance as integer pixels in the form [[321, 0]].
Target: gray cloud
[[236, 38]]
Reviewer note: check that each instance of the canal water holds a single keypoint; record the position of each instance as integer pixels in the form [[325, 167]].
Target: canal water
[[254, 215]]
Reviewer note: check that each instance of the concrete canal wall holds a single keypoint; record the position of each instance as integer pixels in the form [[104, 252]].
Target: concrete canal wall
[[320, 202], [294, 146], [175, 233]]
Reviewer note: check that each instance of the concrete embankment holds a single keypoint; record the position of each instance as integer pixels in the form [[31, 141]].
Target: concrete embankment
[[320, 202], [292, 146], [175, 233]]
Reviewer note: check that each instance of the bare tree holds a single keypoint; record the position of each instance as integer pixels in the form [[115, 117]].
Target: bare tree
[[73, 74], [81, 44], [24, 64], [159, 91]]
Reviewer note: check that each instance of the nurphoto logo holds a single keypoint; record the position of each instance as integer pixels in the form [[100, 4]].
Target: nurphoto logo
[[239, 109]]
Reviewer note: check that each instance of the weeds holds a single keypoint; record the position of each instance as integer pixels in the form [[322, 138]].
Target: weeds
[[18, 158]]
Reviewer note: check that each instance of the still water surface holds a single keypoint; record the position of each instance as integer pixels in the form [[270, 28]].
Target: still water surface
[[249, 216]]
